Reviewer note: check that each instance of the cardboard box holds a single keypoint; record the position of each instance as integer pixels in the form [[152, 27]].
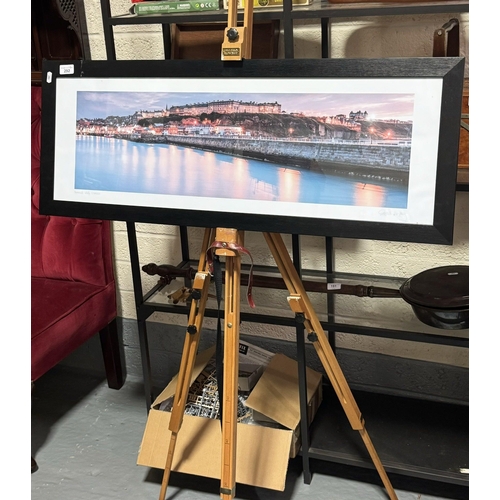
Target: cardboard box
[[262, 452], [252, 363]]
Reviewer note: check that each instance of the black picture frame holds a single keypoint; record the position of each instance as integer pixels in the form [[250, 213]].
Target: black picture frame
[[435, 84]]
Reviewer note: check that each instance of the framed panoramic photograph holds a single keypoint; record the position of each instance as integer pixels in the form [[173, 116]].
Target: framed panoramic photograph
[[357, 148]]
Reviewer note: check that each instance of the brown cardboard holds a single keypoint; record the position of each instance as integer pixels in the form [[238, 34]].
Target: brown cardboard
[[262, 452], [252, 361], [276, 395]]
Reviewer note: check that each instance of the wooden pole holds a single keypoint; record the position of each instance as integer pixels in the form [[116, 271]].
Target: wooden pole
[[299, 303], [231, 359], [190, 349], [237, 42]]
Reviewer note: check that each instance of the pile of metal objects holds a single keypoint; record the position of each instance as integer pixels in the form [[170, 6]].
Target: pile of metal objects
[[203, 398]]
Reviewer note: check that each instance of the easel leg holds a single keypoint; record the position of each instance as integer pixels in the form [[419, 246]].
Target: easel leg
[[299, 303], [231, 360], [190, 349]]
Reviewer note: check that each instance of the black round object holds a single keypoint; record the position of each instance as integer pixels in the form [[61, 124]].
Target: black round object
[[445, 319], [440, 297], [440, 288]]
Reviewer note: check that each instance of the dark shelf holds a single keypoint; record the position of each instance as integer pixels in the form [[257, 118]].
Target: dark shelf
[[318, 9], [153, 302], [413, 437], [326, 9]]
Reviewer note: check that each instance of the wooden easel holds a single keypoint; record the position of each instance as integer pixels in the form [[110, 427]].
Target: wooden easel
[[227, 241], [237, 45]]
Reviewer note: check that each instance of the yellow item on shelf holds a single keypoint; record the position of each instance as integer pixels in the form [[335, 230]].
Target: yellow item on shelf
[[268, 3]]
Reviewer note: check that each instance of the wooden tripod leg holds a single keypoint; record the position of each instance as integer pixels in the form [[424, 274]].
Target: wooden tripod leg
[[200, 286], [346, 398], [230, 388], [300, 303], [231, 361]]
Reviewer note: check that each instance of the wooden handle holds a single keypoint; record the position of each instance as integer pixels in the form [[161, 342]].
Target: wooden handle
[[168, 272]]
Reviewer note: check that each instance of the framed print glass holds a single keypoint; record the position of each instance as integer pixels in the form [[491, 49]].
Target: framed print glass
[[357, 148]]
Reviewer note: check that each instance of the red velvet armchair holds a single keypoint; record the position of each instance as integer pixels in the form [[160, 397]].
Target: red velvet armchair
[[73, 291]]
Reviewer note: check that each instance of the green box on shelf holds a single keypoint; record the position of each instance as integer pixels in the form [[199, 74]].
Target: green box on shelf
[[171, 6]]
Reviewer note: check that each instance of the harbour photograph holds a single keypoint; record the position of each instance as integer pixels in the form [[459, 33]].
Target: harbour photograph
[[348, 149]]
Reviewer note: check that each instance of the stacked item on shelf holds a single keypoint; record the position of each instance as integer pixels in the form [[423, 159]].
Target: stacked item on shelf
[[151, 7]]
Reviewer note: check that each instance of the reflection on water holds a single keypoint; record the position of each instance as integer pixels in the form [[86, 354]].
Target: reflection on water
[[368, 195], [118, 165]]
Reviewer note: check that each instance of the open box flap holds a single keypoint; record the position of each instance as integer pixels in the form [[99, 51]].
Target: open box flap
[[276, 394], [199, 365]]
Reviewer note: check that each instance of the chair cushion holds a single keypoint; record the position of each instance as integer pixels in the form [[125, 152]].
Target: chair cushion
[[67, 248], [72, 311], [76, 249]]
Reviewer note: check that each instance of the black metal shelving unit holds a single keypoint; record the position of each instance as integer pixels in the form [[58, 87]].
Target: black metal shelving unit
[[415, 438], [322, 10]]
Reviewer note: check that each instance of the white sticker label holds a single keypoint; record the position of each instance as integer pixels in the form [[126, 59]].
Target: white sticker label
[[333, 286], [66, 69]]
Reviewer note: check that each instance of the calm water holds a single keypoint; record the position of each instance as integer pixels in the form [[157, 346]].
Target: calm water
[[118, 165]]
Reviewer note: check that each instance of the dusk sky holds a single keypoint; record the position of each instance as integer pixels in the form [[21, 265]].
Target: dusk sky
[[378, 105]]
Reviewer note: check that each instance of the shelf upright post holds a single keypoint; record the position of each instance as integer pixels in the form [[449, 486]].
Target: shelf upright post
[[325, 37], [167, 40], [330, 298], [183, 234], [288, 28], [302, 370], [141, 312], [109, 39]]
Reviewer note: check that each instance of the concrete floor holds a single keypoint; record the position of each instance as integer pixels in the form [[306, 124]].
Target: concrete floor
[[85, 438]]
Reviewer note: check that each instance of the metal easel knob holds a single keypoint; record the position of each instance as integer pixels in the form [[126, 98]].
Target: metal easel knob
[[232, 34], [300, 318]]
